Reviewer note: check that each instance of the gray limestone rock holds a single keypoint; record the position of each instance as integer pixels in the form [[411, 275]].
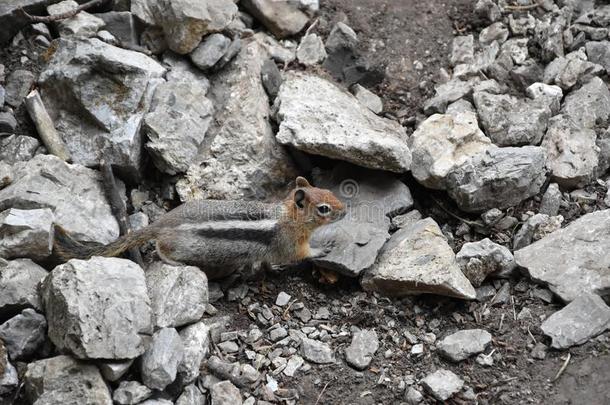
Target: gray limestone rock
[[210, 50], [442, 384], [463, 344], [483, 258], [18, 85], [497, 178], [225, 393], [73, 192], [573, 260], [23, 334], [161, 360], [191, 396], [97, 95], [361, 350], [311, 50], [584, 318], [282, 18], [316, 351], [82, 24], [551, 200], [98, 308], [589, 104], [26, 233], [418, 260], [550, 93], [130, 393], [178, 294], [510, 121], [315, 116], [443, 142], [535, 228], [240, 130], [196, 341], [19, 281], [64, 380], [17, 148]]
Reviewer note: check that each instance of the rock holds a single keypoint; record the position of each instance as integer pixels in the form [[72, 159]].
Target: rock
[[73, 192], [19, 281], [572, 152], [316, 351], [26, 233], [447, 93], [98, 308], [196, 341], [272, 78], [460, 106], [161, 360], [539, 351], [9, 379], [480, 259], [225, 393], [516, 48], [341, 36], [509, 121], [82, 24], [293, 365], [6, 174], [442, 384], [121, 25], [599, 53], [282, 52], [282, 299], [551, 200], [573, 260], [443, 142], [495, 32], [114, 370], [369, 99], [535, 228], [242, 375], [241, 130], [64, 380], [584, 318], [413, 396], [210, 50], [462, 50], [498, 178], [8, 123], [84, 67], [463, 344], [311, 50], [589, 104], [569, 71], [17, 148], [176, 125], [418, 260], [178, 294], [23, 334], [317, 117], [18, 85], [551, 94], [362, 349], [185, 22], [12, 19], [282, 18], [131, 392], [191, 396], [371, 198]]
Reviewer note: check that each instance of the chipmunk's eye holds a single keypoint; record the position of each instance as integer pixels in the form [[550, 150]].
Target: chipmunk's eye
[[324, 209]]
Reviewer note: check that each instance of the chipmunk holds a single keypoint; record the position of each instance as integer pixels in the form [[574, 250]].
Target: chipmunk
[[220, 236]]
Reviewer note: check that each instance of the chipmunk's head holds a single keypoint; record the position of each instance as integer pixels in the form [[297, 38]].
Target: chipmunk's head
[[314, 206]]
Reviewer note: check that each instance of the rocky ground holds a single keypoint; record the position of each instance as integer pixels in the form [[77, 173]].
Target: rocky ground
[[470, 141]]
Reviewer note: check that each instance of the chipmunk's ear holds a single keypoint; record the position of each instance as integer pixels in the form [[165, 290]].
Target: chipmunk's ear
[[302, 182], [299, 198]]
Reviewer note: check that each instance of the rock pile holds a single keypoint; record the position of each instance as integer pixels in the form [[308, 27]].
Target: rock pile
[[185, 100]]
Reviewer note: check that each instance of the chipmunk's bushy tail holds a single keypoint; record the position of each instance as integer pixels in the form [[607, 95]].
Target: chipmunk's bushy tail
[[65, 247]]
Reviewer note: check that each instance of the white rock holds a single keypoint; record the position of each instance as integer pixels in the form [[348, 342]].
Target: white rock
[[311, 50], [442, 384], [161, 360], [369, 99], [82, 24], [463, 344]]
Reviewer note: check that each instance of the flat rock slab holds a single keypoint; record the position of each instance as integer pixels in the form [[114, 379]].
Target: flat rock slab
[[360, 352], [370, 197], [316, 351], [574, 260], [73, 192], [497, 178], [64, 380], [442, 384], [97, 95], [463, 344], [317, 117], [584, 318], [418, 260], [98, 308]]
